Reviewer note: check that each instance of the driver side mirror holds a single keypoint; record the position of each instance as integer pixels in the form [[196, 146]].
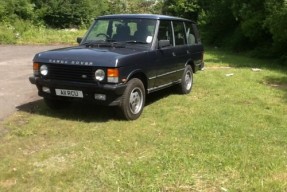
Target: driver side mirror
[[79, 39]]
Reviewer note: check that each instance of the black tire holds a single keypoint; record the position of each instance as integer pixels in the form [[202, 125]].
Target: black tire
[[56, 104], [186, 83], [133, 99]]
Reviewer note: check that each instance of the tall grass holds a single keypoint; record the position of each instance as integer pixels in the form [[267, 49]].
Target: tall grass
[[26, 33]]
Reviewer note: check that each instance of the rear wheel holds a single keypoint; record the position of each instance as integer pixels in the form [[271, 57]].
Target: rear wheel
[[56, 104], [133, 99], [186, 80]]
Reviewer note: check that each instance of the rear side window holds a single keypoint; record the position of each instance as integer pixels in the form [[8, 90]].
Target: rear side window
[[196, 32], [165, 31], [179, 33], [191, 34]]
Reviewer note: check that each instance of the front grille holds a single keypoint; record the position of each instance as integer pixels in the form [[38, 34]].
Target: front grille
[[71, 73]]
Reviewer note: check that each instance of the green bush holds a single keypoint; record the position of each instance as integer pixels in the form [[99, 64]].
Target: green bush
[[27, 33], [20, 9], [7, 34]]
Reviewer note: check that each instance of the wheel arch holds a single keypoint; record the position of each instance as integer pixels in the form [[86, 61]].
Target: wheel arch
[[140, 75], [192, 64]]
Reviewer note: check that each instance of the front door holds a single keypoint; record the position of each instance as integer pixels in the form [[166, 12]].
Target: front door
[[166, 57]]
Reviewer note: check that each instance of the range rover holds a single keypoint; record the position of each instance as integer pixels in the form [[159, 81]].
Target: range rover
[[120, 60]]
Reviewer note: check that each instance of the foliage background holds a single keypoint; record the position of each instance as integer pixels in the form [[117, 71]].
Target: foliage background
[[256, 26], [259, 26]]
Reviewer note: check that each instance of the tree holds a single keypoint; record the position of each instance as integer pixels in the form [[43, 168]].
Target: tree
[[11, 10], [252, 25], [69, 13], [133, 6], [276, 22], [183, 8]]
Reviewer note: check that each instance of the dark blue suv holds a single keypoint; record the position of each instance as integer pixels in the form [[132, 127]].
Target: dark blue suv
[[120, 60]]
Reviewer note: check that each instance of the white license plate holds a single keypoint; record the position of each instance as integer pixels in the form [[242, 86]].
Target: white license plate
[[69, 93]]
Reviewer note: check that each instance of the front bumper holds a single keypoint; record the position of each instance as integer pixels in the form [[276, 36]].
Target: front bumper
[[113, 92]]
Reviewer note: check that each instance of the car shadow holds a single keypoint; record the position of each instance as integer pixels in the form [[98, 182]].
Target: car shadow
[[88, 112], [158, 95], [77, 111]]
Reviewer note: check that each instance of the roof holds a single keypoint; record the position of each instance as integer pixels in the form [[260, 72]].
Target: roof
[[142, 16]]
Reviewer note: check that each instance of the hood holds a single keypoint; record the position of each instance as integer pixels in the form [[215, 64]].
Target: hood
[[103, 57]]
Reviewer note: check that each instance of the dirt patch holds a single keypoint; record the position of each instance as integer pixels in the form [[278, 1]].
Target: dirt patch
[[8, 183], [279, 86], [217, 68], [282, 177]]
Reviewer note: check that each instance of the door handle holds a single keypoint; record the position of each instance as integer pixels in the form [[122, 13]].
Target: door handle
[[173, 54]]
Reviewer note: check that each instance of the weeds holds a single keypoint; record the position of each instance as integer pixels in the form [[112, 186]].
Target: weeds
[[25, 33]]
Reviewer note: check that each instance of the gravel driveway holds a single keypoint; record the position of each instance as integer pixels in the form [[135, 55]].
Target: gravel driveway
[[15, 69]]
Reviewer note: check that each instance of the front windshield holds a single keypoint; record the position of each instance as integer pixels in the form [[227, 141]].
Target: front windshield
[[134, 31]]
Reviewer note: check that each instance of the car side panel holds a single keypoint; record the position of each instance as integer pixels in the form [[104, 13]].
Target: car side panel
[[196, 55], [166, 66]]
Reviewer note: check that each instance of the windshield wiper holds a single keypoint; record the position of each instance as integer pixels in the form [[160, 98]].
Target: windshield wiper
[[94, 42], [136, 42], [102, 43], [118, 44]]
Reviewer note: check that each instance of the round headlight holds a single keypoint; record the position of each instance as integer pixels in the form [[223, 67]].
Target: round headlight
[[44, 70], [100, 74]]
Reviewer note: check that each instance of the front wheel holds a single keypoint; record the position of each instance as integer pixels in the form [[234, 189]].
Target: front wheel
[[133, 99], [186, 80]]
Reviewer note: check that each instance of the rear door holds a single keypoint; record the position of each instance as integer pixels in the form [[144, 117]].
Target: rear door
[[181, 48]]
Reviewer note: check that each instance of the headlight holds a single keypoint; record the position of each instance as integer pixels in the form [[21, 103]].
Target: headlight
[[44, 70], [100, 74]]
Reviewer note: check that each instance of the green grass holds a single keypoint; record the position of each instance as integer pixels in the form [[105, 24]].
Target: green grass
[[229, 134], [26, 33], [50, 36]]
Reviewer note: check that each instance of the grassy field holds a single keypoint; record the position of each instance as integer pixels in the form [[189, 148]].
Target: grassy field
[[29, 34], [229, 134]]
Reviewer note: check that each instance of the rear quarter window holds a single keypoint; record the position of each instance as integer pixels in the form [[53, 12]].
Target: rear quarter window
[[192, 34]]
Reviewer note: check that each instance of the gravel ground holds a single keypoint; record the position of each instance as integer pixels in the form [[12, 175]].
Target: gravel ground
[[15, 69]]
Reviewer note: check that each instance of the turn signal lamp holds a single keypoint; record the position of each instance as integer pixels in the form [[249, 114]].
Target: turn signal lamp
[[36, 67], [113, 75]]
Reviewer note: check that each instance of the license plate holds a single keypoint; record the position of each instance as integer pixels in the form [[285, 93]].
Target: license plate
[[69, 93]]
